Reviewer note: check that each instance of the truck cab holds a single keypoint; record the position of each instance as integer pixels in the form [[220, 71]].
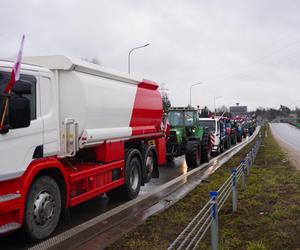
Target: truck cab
[[217, 131], [19, 145]]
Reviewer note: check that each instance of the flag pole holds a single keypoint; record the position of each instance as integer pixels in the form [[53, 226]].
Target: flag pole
[[15, 76]]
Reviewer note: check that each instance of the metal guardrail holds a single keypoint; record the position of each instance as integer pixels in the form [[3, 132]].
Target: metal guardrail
[[207, 217]]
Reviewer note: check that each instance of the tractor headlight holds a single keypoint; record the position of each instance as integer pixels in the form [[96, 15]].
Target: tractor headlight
[[193, 130]]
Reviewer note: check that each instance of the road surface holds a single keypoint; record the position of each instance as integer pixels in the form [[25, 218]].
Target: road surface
[[288, 137]]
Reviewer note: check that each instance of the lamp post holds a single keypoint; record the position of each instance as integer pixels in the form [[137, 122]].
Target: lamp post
[[198, 83], [215, 98], [139, 47], [296, 107]]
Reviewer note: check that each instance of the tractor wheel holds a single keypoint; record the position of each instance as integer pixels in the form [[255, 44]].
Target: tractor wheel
[[227, 142], [233, 139], [193, 154], [239, 138], [42, 208], [170, 159]]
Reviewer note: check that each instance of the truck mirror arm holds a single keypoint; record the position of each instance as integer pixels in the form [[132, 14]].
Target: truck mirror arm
[[5, 95]]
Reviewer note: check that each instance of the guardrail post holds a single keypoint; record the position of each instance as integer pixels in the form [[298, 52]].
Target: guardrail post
[[249, 159], [214, 222], [234, 192], [243, 174], [248, 164]]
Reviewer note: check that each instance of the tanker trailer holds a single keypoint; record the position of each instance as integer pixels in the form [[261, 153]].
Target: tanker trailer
[[81, 131]]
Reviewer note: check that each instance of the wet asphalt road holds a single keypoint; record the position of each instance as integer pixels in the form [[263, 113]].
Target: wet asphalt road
[[97, 206], [288, 134]]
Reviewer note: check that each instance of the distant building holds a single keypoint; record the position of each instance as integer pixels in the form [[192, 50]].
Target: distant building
[[238, 110]]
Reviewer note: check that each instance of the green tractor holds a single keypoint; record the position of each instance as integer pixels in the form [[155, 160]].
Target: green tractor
[[187, 137]]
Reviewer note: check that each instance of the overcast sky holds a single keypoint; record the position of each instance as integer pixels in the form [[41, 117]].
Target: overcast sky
[[244, 51]]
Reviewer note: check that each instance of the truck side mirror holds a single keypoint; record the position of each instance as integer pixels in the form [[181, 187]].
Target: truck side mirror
[[19, 106], [22, 87]]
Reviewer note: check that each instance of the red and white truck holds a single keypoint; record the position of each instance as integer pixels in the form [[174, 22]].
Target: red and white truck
[[74, 130]]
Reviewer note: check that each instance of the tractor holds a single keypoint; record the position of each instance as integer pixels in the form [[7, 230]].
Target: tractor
[[187, 137]]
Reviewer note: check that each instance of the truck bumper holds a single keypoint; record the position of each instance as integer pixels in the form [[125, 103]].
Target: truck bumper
[[10, 205], [9, 212]]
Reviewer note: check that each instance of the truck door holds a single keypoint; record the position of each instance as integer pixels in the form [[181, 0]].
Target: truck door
[[18, 147]]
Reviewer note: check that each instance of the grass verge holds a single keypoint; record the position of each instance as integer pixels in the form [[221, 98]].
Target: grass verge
[[268, 214]]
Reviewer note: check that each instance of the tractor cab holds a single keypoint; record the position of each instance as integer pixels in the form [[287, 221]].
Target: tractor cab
[[183, 121]]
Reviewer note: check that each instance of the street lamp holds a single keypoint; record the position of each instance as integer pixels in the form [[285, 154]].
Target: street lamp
[[198, 83], [215, 98], [139, 47]]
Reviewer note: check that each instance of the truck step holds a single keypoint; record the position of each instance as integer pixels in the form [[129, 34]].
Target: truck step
[[9, 227], [9, 197]]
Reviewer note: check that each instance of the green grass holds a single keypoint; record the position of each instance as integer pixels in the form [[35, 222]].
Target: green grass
[[268, 214]]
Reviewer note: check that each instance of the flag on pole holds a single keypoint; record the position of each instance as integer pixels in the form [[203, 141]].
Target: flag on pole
[[15, 73], [15, 76]]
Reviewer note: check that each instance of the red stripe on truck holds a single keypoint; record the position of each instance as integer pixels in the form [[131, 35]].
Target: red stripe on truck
[[147, 110]]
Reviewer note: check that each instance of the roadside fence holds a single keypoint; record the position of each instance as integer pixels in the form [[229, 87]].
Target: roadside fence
[[207, 217]]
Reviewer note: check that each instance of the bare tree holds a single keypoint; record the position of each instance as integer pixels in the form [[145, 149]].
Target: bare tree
[[223, 109], [165, 97]]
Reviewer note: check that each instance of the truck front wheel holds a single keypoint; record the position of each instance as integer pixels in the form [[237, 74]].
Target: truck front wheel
[[43, 208], [193, 154]]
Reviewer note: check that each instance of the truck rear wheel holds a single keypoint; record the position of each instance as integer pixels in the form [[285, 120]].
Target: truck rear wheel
[[133, 178], [150, 163], [43, 208], [205, 150], [227, 142], [222, 146], [193, 154]]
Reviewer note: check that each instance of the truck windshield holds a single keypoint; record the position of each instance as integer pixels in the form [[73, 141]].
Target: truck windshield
[[4, 78], [182, 118], [210, 124]]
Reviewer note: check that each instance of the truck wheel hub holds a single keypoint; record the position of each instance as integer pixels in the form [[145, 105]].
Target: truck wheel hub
[[134, 178], [149, 164], [43, 208]]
